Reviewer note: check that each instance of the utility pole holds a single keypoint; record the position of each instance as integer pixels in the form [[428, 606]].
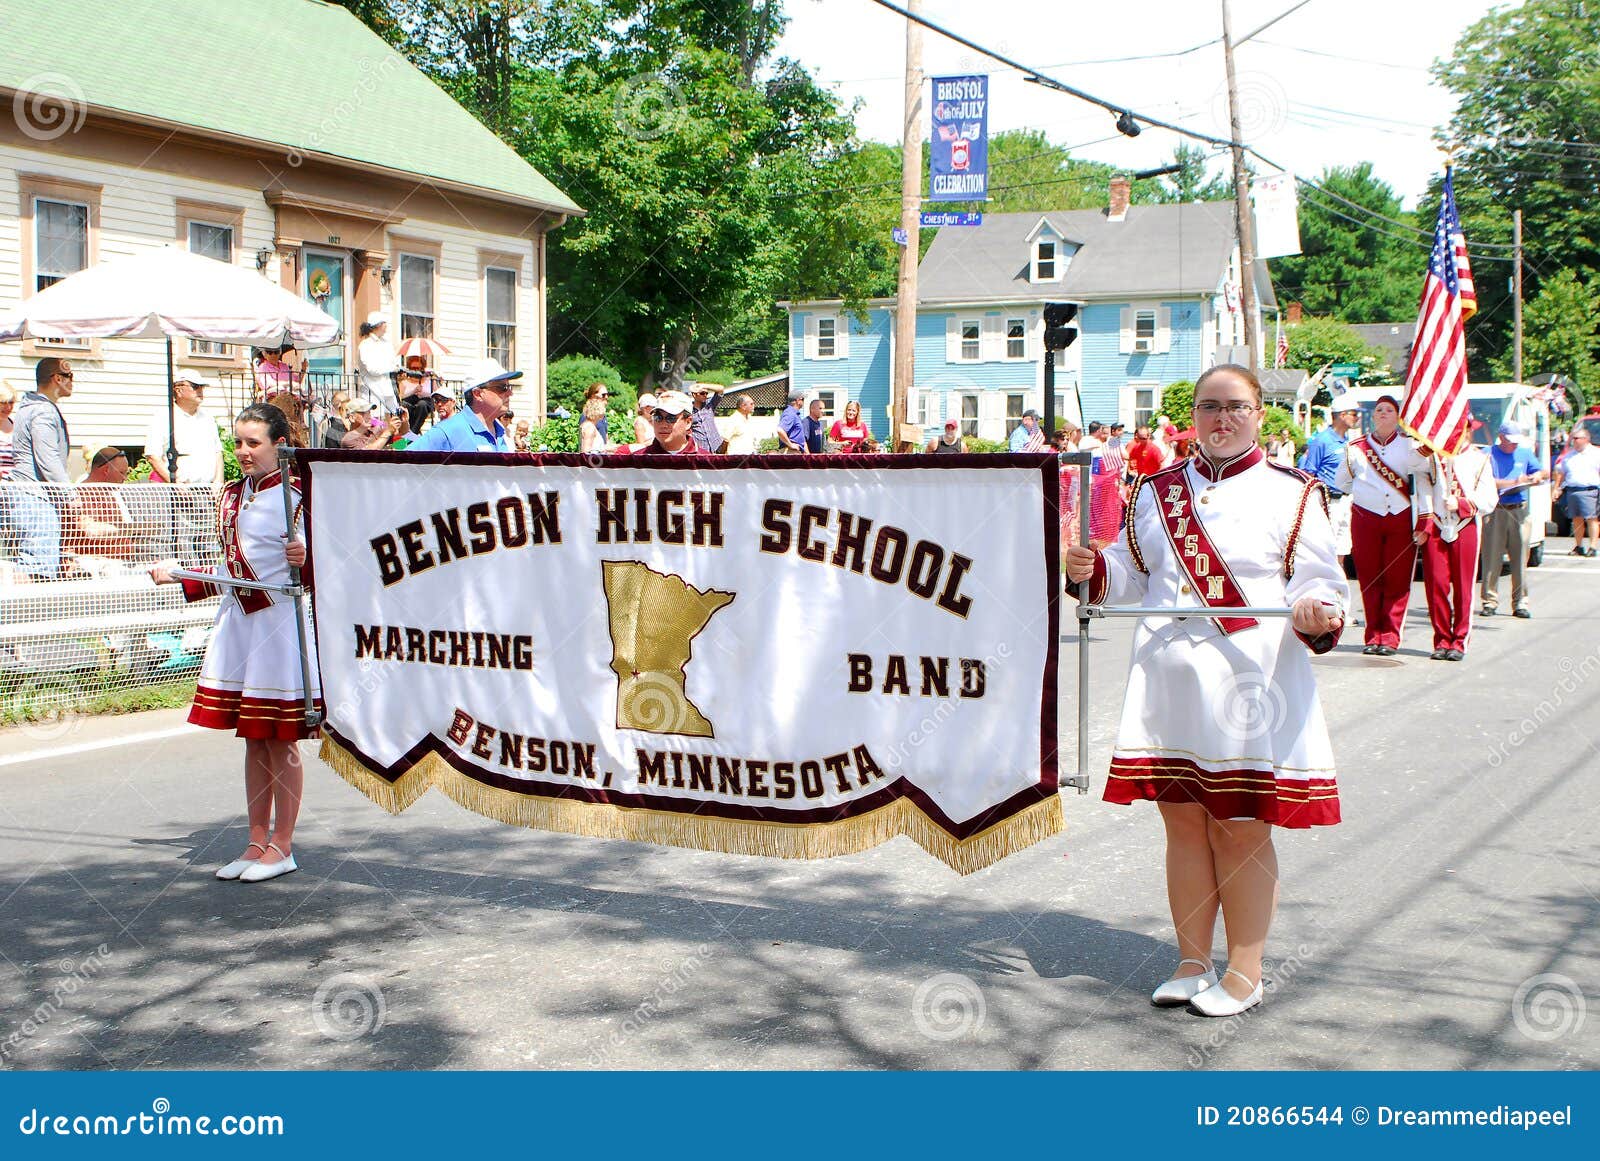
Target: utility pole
[[1241, 198], [1516, 295], [905, 319]]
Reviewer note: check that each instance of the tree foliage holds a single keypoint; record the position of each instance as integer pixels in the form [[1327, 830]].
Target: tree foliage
[[1561, 330], [1315, 341], [1351, 269], [1525, 135]]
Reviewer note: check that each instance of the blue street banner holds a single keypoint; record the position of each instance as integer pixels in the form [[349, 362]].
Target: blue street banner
[[959, 157], [936, 218]]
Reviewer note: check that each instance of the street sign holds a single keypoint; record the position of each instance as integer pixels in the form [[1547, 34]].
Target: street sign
[[1347, 370], [950, 218], [901, 238]]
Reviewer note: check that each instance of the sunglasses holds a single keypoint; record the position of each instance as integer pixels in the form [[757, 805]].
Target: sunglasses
[[663, 416]]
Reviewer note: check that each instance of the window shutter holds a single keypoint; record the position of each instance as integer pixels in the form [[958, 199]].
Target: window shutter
[[1125, 339], [811, 336], [992, 346], [952, 340], [1163, 330], [1032, 347], [841, 336]]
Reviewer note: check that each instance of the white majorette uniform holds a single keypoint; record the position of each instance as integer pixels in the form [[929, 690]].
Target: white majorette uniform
[[1377, 477], [250, 681], [1224, 711], [1454, 495]]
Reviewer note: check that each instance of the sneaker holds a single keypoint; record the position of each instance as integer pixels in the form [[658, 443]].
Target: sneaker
[[1578, 550], [1521, 612], [1486, 611]]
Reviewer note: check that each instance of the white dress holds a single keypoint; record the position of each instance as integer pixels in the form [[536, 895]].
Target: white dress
[[376, 360], [250, 681], [1223, 714]]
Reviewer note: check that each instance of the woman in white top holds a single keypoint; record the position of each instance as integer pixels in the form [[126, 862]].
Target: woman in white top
[[377, 361]]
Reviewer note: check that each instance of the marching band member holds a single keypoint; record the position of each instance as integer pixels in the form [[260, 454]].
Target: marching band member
[[673, 421], [1375, 471], [1222, 726], [250, 681], [1455, 493]]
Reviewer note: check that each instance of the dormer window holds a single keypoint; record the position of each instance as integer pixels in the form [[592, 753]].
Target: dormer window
[[1044, 262]]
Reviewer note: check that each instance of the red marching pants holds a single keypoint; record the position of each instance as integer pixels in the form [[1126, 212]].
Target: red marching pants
[[1385, 555], [1449, 569]]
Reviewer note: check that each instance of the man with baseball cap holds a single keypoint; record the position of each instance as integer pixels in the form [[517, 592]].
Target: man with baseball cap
[[673, 421], [1322, 457], [1514, 467], [950, 443], [477, 427], [192, 432]]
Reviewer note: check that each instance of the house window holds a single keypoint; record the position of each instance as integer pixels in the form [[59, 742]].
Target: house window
[[827, 397], [927, 408], [1144, 330], [971, 343], [1015, 404], [61, 240], [1016, 338], [416, 296], [1144, 399], [500, 315], [1061, 406], [1045, 262], [827, 338], [969, 415], [212, 241]]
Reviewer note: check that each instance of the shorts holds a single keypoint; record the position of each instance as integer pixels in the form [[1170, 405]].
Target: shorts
[[1582, 503]]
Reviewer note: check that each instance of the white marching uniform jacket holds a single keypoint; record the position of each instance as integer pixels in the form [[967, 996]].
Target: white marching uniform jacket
[[1377, 475], [250, 681], [1456, 491], [1224, 712]]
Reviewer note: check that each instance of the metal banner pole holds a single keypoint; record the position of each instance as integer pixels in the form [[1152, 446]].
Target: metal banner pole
[[313, 717], [232, 582], [1083, 461]]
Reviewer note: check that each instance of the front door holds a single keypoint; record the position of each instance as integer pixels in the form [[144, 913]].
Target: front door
[[325, 285]]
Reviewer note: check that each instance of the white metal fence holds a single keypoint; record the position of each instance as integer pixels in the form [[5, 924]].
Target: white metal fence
[[79, 616]]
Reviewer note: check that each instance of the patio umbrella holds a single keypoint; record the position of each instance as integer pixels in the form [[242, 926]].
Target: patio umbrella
[[170, 293], [429, 349]]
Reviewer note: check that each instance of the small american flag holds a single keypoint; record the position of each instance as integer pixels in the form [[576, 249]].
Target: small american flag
[[1283, 347], [1435, 409]]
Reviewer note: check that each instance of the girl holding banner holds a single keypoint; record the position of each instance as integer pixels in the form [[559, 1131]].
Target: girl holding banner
[[251, 681], [1222, 727]]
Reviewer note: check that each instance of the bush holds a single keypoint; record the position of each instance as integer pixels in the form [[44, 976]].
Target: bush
[[569, 377], [140, 472], [1277, 421], [974, 444], [768, 445], [1177, 402], [720, 377], [561, 435]]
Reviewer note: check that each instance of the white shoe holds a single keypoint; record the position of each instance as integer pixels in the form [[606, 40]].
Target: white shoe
[[261, 872], [1179, 991], [236, 868], [1217, 1001]]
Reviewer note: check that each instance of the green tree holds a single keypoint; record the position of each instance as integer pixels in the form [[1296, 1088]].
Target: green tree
[[1314, 342], [1194, 182], [568, 378], [1524, 136], [1352, 270], [1561, 330], [1177, 402]]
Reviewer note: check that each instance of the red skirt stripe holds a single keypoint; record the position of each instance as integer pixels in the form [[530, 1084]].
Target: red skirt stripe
[[1224, 794], [278, 719]]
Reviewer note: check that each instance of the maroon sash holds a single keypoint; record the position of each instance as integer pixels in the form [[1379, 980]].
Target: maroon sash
[[250, 600], [1208, 573], [1384, 472]]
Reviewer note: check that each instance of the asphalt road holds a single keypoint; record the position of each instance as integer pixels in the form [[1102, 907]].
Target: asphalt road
[[1452, 920]]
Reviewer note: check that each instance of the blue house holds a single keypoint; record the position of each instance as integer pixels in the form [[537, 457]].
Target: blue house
[[1158, 294]]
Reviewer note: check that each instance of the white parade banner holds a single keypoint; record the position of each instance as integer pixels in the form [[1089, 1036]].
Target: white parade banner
[[1277, 215], [775, 655]]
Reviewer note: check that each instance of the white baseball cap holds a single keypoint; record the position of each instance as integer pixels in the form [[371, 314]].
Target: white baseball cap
[[674, 403], [362, 404], [193, 378], [485, 371]]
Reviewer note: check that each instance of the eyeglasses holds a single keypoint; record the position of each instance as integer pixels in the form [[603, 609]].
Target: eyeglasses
[[64, 374], [1235, 409], [663, 416]]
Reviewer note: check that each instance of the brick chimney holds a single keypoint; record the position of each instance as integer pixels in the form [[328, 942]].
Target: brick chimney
[[1121, 191], [1294, 314]]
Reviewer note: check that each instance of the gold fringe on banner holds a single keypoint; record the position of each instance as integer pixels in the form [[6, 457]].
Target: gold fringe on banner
[[785, 840]]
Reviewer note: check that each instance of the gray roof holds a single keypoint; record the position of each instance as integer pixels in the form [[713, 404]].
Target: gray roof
[[1393, 339], [1155, 250]]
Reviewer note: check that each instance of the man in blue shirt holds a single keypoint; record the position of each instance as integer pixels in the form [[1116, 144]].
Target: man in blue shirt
[[477, 426], [1515, 468], [1322, 457], [1026, 433], [792, 425]]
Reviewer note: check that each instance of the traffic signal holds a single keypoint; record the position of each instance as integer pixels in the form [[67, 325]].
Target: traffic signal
[[1058, 336]]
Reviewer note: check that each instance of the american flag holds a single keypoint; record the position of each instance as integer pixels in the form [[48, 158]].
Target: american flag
[[1283, 346], [1435, 408]]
